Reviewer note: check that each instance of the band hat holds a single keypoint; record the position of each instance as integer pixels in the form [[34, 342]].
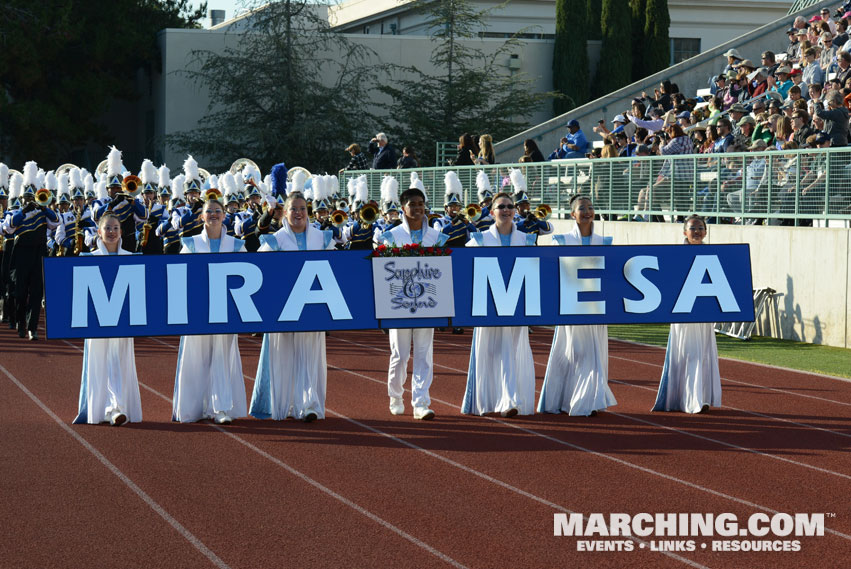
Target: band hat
[[453, 188], [30, 178], [149, 176], [63, 189], [389, 193], [114, 167], [521, 197], [4, 177], [483, 184], [518, 181], [89, 184], [417, 183], [16, 186], [192, 179]]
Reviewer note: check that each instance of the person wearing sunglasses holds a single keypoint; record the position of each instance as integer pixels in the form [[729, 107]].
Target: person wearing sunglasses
[[501, 376], [577, 376], [691, 381]]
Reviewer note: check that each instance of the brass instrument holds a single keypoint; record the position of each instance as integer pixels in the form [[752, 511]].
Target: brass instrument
[[543, 212], [473, 212], [131, 185], [240, 164], [368, 214], [432, 217], [65, 168], [43, 197], [338, 218], [203, 174], [212, 194], [78, 232], [310, 215], [342, 204], [295, 169]]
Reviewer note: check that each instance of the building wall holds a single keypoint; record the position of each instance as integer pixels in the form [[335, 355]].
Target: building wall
[[809, 267]]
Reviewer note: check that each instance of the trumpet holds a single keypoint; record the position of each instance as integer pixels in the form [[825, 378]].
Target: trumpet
[[310, 215], [543, 212], [131, 185], [368, 214], [432, 217], [43, 197], [212, 194], [473, 212], [342, 204], [338, 218]]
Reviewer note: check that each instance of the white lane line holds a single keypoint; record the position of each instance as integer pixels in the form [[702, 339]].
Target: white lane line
[[316, 484], [189, 536]]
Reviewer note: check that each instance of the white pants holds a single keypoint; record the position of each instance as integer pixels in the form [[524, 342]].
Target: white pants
[[400, 351]]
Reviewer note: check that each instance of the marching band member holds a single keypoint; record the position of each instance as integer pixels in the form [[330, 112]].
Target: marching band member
[[7, 232], [501, 376], [691, 381], [4, 202], [389, 207], [125, 206], [577, 377], [109, 389], [413, 229], [526, 220], [208, 382], [245, 223], [271, 219], [485, 193], [187, 219], [292, 371], [30, 225], [73, 223], [148, 241], [453, 224], [228, 186], [360, 233], [167, 230], [164, 188]]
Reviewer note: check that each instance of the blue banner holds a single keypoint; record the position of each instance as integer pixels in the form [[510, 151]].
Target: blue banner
[[119, 296]]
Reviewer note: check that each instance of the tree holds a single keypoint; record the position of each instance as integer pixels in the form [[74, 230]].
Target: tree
[[287, 89], [570, 56], [471, 91], [593, 19], [615, 67], [63, 63], [638, 12], [658, 20]]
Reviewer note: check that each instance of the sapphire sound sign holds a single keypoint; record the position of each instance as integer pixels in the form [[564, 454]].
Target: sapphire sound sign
[[298, 291]]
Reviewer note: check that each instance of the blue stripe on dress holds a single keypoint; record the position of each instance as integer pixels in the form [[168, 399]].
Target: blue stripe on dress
[[470, 393], [559, 240], [546, 387], [268, 239], [177, 375], [83, 407], [261, 398], [189, 243], [662, 395]]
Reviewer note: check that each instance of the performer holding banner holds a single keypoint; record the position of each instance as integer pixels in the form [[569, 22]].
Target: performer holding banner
[[414, 229], [208, 383], [109, 390], [501, 376], [577, 378], [292, 372], [691, 381]]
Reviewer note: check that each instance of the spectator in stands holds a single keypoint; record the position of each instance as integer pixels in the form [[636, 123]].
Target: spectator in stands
[[835, 119], [800, 23], [815, 91], [466, 151], [783, 132], [408, 159], [825, 17], [792, 48], [638, 109], [655, 123], [624, 146], [573, 144], [725, 136], [827, 56], [662, 96], [684, 119], [745, 67], [813, 182], [709, 143], [744, 136], [736, 89], [801, 128], [358, 160], [737, 111], [794, 95], [733, 59], [531, 153], [843, 60], [486, 153], [841, 36], [780, 82], [384, 155], [769, 61], [758, 107], [757, 82], [765, 125]]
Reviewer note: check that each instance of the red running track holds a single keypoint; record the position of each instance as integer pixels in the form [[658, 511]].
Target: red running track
[[364, 488]]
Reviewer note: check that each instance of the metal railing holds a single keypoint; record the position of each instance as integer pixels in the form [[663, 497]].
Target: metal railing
[[801, 4], [789, 187]]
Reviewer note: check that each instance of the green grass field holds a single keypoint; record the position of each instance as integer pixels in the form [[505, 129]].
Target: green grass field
[[785, 353]]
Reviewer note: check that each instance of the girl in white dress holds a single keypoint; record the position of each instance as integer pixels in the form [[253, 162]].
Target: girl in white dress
[[501, 376], [208, 383], [690, 379], [577, 378], [109, 391], [292, 372]]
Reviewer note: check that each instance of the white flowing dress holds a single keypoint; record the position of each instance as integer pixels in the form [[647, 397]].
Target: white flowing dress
[[577, 377], [690, 377], [292, 372], [109, 380], [209, 376], [501, 375]]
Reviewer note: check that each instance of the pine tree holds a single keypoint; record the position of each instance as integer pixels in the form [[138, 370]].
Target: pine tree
[[570, 56], [615, 68], [593, 15], [658, 54], [639, 52]]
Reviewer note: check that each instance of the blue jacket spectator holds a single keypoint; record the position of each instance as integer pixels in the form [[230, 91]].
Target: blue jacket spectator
[[384, 155], [573, 145]]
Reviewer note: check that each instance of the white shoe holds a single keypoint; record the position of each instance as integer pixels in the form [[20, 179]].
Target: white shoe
[[222, 418], [397, 406], [117, 418], [423, 413]]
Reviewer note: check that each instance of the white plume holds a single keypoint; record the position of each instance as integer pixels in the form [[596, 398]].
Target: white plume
[[299, 178], [164, 175], [39, 178], [4, 176], [389, 189], [228, 184], [31, 174], [334, 185], [76, 178], [308, 194], [50, 181], [113, 162], [518, 181], [100, 190], [148, 173], [350, 187], [318, 185], [190, 169], [89, 183], [483, 183], [250, 174], [177, 186], [213, 181], [452, 183], [362, 190], [16, 185], [416, 182], [63, 187]]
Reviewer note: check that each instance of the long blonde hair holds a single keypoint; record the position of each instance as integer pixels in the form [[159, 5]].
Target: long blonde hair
[[486, 146]]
